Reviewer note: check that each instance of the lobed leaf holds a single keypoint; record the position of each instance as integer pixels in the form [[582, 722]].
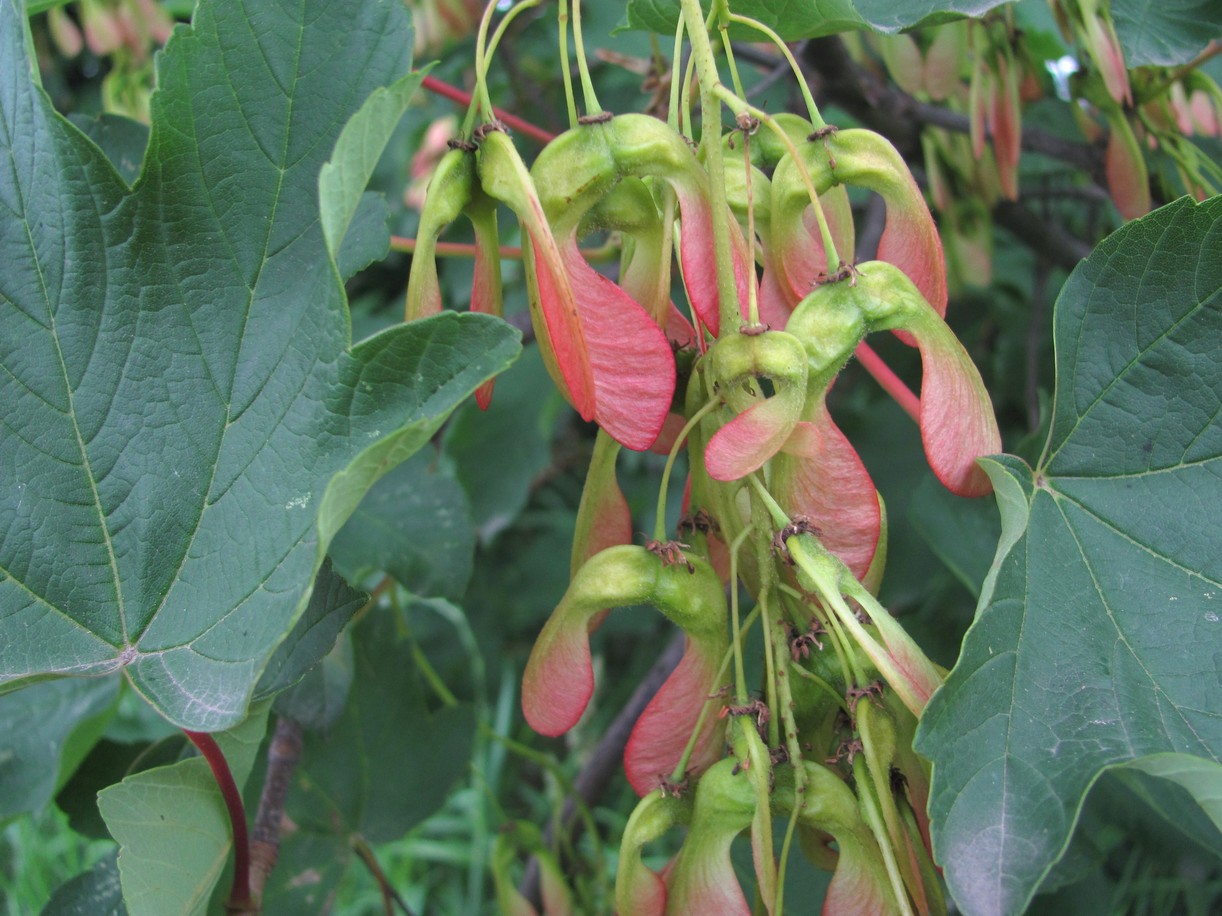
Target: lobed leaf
[[1095, 643], [186, 424]]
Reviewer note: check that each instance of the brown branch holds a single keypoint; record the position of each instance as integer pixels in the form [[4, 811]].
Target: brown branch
[[390, 896], [605, 761], [1047, 238], [282, 757], [899, 116]]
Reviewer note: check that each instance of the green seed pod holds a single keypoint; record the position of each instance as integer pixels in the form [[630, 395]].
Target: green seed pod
[[559, 678], [579, 167], [702, 878], [830, 324], [760, 425], [638, 890], [449, 193]]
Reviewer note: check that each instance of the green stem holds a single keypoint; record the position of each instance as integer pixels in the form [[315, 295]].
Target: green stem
[[779, 516], [481, 97], [853, 672], [828, 587], [685, 110], [710, 139], [846, 660], [767, 572], [583, 70], [484, 53], [659, 525], [430, 674], [676, 80], [740, 671], [422, 662], [680, 769], [820, 683], [869, 806], [723, 28], [753, 305], [738, 106], [794, 749], [812, 109], [565, 66]]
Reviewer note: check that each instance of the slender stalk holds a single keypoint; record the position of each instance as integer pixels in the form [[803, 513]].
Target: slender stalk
[[462, 97], [685, 111], [738, 106], [681, 767], [516, 10], [811, 108], [659, 525], [676, 78], [820, 683], [740, 672], [583, 69], [889, 381], [779, 517], [725, 44], [846, 659], [710, 140], [389, 894], [566, 71], [481, 65], [794, 749], [870, 813], [753, 305], [239, 894]]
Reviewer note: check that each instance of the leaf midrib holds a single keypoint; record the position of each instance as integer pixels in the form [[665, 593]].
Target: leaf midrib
[[281, 169]]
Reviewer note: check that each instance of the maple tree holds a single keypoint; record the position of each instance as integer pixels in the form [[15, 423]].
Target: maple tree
[[217, 436]]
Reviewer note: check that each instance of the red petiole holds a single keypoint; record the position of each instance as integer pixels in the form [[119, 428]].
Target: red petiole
[[446, 91], [239, 894]]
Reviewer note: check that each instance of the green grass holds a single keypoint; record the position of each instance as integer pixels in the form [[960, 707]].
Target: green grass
[[39, 853]]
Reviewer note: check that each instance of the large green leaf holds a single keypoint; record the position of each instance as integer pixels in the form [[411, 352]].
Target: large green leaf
[[1165, 32], [332, 604], [499, 453], [96, 892], [1098, 637], [797, 19], [414, 524], [186, 425], [45, 732]]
